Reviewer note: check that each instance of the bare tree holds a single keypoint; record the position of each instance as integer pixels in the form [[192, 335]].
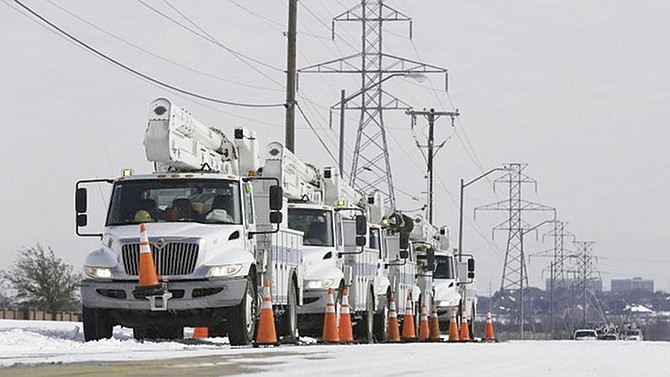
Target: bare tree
[[43, 281]]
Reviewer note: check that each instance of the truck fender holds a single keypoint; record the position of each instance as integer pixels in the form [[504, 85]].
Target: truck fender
[[103, 257]]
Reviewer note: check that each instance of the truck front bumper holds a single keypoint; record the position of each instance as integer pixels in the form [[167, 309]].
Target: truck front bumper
[[314, 302], [186, 295]]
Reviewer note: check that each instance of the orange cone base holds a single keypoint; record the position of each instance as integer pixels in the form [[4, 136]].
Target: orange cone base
[[200, 332], [393, 331], [434, 330], [266, 335]]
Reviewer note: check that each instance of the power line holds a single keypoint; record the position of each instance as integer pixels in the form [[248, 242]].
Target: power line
[[315, 133], [206, 74], [242, 57], [136, 72]]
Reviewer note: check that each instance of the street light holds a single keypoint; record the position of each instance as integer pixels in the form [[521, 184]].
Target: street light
[[460, 208]]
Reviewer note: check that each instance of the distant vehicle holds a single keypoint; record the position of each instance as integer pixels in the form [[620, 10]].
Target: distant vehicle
[[585, 334], [609, 336], [634, 334]]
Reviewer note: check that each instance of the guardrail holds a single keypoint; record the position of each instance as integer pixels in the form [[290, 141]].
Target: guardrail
[[38, 315]]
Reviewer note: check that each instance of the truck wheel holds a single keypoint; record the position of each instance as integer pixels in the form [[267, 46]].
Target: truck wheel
[[97, 324], [365, 329], [242, 319], [381, 321], [288, 327]]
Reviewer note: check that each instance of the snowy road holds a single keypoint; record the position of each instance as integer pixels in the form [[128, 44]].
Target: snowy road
[[34, 348]]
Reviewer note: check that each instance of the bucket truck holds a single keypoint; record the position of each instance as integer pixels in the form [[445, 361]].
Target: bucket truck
[[215, 233], [333, 217]]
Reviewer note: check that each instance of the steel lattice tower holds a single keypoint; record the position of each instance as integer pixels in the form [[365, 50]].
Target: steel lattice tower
[[371, 165], [514, 275], [558, 266]]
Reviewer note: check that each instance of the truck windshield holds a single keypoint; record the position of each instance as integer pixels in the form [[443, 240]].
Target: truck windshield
[[316, 224], [444, 267], [213, 201]]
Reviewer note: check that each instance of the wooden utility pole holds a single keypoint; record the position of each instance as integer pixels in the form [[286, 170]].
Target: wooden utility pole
[[291, 74], [431, 115]]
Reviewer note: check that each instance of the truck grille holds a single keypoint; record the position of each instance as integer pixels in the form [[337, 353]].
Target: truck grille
[[174, 258]]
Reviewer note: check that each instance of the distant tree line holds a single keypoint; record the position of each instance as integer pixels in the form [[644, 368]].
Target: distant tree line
[[40, 280]]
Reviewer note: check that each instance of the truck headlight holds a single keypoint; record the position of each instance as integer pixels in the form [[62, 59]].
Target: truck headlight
[[98, 272], [224, 271], [319, 284]]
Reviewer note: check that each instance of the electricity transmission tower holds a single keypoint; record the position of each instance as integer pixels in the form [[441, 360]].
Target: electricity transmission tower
[[514, 272], [585, 272], [371, 165], [559, 257]]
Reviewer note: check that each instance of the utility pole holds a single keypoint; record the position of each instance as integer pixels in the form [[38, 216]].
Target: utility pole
[[514, 271], [291, 74], [371, 165], [431, 115]]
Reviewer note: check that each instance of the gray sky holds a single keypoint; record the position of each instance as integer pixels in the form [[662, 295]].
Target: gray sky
[[576, 89]]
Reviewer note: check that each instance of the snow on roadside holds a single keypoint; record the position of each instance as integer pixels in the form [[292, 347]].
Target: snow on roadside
[[28, 342]]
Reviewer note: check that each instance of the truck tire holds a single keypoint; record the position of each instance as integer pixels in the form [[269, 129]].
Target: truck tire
[[97, 324], [365, 328], [288, 326], [242, 319]]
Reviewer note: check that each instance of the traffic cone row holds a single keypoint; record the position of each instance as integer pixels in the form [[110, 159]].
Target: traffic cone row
[[434, 324], [453, 327], [465, 329], [489, 335], [346, 330], [424, 328], [148, 279], [200, 332], [393, 330], [266, 334], [330, 332], [408, 332]]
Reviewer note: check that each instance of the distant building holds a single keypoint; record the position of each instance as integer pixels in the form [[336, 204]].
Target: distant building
[[594, 285], [634, 284]]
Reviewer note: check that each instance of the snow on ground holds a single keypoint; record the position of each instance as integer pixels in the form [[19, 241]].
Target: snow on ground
[[34, 342]]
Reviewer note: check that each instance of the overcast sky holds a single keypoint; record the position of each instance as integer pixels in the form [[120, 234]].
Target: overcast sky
[[578, 90]]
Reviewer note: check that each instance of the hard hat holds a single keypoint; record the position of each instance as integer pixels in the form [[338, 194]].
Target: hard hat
[[143, 216]]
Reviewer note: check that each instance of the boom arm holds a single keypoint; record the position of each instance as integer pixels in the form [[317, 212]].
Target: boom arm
[[176, 140]]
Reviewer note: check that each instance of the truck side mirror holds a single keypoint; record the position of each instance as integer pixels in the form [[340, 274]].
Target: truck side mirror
[[80, 201], [404, 241], [361, 226], [276, 198], [82, 220], [471, 268], [404, 254], [430, 259], [276, 217], [360, 241]]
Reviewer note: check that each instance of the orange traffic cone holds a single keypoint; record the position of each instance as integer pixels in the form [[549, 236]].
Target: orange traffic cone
[[266, 334], [489, 335], [408, 332], [200, 332], [148, 281], [393, 330], [424, 328], [465, 329], [330, 334], [434, 324], [346, 332], [453, 327]]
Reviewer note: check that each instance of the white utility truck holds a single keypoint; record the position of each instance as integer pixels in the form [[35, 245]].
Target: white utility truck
[[332, 216], [215, 233]]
